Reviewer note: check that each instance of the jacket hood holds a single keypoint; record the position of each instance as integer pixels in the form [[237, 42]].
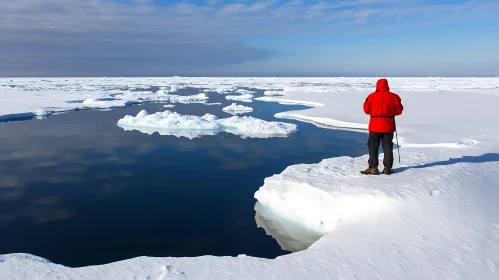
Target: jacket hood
[[382, 85]]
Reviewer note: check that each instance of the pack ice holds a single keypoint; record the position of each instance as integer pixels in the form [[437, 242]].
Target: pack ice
[[25, 103]]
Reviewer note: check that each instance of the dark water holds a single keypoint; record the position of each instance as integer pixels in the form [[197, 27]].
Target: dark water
[[78, 190]]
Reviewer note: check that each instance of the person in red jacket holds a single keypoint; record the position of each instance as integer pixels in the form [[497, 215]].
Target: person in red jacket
[[382, 105]]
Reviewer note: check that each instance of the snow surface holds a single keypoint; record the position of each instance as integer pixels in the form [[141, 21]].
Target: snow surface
[[473, 110], [437, 217], [235, 109], [172, 123]]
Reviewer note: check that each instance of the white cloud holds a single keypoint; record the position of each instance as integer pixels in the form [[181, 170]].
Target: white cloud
[[233, 8], [259, 6]]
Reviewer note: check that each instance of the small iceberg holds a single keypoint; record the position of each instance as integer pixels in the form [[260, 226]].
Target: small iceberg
[[235, 109], [243, 98]]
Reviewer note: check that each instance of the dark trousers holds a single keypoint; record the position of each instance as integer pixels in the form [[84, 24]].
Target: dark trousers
[[386, 138]]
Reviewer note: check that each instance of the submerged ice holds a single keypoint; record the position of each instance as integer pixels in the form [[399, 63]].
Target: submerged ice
[[172, 123], [291, 236]]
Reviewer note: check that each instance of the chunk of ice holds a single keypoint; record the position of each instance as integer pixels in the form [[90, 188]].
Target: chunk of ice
[[237, 109], [243, 98]]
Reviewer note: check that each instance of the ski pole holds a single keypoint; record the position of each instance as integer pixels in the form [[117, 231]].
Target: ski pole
[[397, 137]]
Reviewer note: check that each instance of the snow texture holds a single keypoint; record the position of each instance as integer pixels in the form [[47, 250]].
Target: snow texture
[[235, 109], [437, 217], [172, 123]]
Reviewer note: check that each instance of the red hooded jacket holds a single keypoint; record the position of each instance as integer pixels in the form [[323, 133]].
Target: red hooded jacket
[[383, 106]]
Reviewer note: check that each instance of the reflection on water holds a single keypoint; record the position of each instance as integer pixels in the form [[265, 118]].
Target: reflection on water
[[291, 236], [179, 133], [77, 189]]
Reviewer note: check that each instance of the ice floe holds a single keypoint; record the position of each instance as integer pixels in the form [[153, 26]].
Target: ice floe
[[163, 96], [242, 98], [172, 123], [106, 103]]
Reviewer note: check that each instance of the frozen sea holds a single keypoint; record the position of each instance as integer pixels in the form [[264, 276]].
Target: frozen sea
[[78, 190]]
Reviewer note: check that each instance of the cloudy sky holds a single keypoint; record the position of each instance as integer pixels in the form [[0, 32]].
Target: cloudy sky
[[249, 37]]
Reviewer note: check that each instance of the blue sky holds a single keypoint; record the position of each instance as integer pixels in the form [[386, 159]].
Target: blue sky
[[249, 37]]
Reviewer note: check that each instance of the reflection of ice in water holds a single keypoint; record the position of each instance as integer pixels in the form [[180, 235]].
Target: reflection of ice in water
[[190, 134], [290, 236]]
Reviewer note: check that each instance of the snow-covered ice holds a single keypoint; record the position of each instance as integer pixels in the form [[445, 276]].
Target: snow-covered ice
[[165, 97], [437, 217], [289, 101], [248, 97], [237, 109], [106, 103], [25, 104], [172, 123], [257, 128]]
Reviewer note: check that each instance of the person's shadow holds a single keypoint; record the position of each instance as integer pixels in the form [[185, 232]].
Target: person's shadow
[[491, 157]]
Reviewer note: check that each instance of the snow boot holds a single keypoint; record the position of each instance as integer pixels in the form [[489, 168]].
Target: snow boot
[[387, 171], [370, 171]]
